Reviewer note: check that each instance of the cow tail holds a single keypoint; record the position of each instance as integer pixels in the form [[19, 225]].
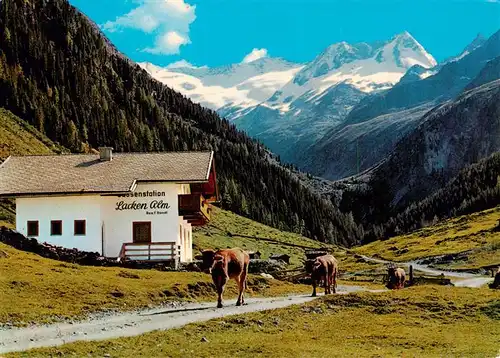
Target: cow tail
[[245, 269]]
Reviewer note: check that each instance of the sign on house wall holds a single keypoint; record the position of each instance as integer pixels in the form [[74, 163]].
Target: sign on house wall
[[155, 203], [155, 206]]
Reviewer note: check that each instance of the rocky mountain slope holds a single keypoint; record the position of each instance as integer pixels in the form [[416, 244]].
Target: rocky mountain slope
[[490, 72], [355, 145], [450, 137], [349, 150], [445, 84]]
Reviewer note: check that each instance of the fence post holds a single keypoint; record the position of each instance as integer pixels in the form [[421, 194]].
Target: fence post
[[411, 275]]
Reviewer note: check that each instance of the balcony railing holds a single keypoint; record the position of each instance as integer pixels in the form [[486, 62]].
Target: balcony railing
[[154, 251], [194, 208]]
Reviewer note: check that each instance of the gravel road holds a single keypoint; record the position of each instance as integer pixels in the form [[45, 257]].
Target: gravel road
[[460, 279], [139, 322]]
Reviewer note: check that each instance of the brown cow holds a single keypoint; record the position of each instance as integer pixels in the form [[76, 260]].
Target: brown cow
[[397, 277], [224, 265], [496, 281], [325, 268]]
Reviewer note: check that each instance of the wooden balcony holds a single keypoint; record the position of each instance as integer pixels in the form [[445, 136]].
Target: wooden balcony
[[194, 208]]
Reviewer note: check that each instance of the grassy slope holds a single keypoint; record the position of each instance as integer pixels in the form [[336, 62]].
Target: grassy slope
[[469, 232], [215, 235], [17, 138], [416, 322], [38, 289]]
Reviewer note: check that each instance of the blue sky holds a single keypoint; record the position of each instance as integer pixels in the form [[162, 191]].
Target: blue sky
[[220, 32]]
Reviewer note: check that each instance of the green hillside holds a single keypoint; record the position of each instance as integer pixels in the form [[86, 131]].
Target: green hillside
[[43, 290], [474, 238], [222, 232], [17, 138]]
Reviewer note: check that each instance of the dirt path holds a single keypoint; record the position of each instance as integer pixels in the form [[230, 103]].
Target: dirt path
[[139, 322], [461, 279]]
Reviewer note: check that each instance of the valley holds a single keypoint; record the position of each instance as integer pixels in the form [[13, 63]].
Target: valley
[[122, 316], [374, 151]]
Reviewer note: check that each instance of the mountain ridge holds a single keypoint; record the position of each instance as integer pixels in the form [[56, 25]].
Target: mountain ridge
[[334, 56], [396, 112]]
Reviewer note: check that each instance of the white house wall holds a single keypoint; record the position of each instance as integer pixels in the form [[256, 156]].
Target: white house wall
[[118, 223], [108, 224], [67, 209]]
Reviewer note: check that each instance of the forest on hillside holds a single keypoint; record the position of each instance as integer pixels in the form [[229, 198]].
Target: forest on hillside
[[61, 75], [475, 188]]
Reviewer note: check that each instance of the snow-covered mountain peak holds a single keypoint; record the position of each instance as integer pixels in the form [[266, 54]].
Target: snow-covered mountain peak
[[404, 52], [238, 86], [276, 83], [239, 70], [333, 57], [367, 67]]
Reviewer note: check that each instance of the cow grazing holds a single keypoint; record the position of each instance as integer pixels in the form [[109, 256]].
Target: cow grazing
[[496, 281], [397, 277], [324, 269], [224, 265]]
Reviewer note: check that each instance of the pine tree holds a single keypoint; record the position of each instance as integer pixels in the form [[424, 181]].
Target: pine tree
[[244, 206], [72, 136]]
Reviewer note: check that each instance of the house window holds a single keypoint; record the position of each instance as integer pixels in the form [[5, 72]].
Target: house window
[[32, 228], [56, 227], [80, 227], [141, 232]]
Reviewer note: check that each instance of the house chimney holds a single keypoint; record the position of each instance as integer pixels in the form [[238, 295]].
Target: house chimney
[[105, 154]]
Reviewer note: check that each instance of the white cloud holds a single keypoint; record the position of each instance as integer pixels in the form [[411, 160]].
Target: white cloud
[[183, 64], [169, 20], [255, 55], [169, 43]]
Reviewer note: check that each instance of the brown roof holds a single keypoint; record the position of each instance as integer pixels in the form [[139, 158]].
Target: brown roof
[[79, 173]]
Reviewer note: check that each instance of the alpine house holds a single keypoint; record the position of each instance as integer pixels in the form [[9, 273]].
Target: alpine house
[[139, 206]]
